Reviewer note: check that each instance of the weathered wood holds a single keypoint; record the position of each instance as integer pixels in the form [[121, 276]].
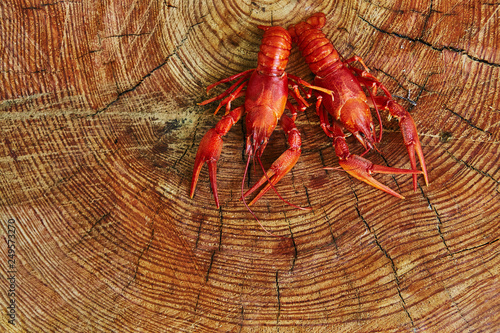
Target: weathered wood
[[99, 130]]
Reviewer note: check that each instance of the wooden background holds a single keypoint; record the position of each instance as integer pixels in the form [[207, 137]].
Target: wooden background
[[99, 131]]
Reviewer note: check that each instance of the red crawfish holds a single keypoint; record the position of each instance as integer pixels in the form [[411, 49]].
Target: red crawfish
[[266, 96], [350, 107]]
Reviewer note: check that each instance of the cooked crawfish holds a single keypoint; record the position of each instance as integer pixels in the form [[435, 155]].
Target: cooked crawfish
[[266, 96], [350, 107]]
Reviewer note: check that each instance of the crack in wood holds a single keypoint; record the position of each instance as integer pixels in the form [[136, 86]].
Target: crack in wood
[[393, 266], [197, 300], [427, 16], [436, 48], [43, 5], [139, 259], [468, 121], [354, 192], [459, 311], [477, 246], [210, 265], [141, 80], [422, 89], [242, 317], [220, 227], [127, 35], [92, 227], [180, 158], [392, 176], [438, 217], [308, 199], [295, 250], [322, 159], [412, 102], [407, 99], [187, 148], [279, 302], [334, 241], [388, 75], [471, 167]]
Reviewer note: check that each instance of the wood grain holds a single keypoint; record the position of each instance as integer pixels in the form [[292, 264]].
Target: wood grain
[[99, 131]]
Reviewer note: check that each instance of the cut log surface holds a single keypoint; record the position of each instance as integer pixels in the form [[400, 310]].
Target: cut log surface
[[99, 128]]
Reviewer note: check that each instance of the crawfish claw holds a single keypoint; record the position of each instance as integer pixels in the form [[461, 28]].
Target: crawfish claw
[[362, 169], [209, 151], [278, 170], [283, 164], [413, 147], [409, 131]]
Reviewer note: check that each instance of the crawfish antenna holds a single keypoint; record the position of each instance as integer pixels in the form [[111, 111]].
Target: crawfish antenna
[[378, 116]]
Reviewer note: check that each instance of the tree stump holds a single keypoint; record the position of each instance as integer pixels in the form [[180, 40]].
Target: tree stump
[[100, 127]]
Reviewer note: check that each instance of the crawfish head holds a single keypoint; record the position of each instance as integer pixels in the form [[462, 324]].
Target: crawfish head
[[260, 126], [356, 118]]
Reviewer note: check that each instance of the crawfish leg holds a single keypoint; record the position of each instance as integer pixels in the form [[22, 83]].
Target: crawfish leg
[[310, 86], [232, 95], [303, 105], [210, 149], [293, 110], [235, 91], [323, 117], [365, 77], [283, 164], [409, 131], [365, 72], [295, 93], [244, 74], [370, 81]]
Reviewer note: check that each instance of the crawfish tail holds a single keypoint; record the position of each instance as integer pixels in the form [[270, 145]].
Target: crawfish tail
[[317, 50], [274, 50]]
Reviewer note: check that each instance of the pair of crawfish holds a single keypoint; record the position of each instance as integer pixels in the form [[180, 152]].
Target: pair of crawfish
[[341, 104]]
